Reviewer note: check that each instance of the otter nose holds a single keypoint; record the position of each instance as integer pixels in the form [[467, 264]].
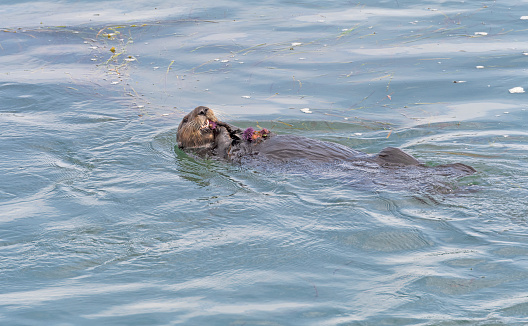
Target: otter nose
[[203, 111]]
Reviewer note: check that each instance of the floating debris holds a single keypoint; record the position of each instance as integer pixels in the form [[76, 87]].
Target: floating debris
[[112, 49], [516, 90], [306, 110], [459, 81]]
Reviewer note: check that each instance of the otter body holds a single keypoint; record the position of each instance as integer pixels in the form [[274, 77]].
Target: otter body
[[201, 132]]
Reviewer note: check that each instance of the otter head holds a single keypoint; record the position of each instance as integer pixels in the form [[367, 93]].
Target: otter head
[[196, 129]]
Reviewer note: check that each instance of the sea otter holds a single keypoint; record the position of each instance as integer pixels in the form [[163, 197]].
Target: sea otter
[[202, 133]]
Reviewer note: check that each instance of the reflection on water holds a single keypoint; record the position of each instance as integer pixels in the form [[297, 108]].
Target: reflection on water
[[104, 221]]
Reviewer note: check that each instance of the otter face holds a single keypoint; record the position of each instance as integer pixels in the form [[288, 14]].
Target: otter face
[[195, 130]]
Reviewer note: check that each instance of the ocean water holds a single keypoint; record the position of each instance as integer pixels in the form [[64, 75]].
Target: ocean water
[[103, 221]]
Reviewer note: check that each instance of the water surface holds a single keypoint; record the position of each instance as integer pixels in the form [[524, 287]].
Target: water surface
[[103, 221]]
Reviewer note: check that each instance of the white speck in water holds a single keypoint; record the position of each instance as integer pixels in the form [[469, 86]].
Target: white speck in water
[[216, 59], [524, 17], [155, 68], [306, 110], [479, 67], [302, 58], [114, 82], [516, 90], [481, 33], [246, 96], [296, 44], [224, 61], [506, 136], [358, 134], [506, 112], [525, 53]]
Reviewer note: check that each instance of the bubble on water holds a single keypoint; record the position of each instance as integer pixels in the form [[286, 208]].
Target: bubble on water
[[516, 90]]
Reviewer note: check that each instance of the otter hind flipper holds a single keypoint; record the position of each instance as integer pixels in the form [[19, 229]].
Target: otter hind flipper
[[392, 155]]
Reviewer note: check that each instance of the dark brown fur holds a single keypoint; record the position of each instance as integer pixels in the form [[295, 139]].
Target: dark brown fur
[[227, 142]]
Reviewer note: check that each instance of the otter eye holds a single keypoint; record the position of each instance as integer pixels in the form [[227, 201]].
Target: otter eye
[[185, 120]]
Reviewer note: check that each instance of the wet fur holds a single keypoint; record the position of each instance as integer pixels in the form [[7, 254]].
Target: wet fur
[[191, 131], [226, 142]]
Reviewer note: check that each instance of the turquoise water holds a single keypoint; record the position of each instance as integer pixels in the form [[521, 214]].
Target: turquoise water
[[104, 222]]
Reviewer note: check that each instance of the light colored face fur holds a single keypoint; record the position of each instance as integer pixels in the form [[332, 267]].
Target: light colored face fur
[[194, 130]]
